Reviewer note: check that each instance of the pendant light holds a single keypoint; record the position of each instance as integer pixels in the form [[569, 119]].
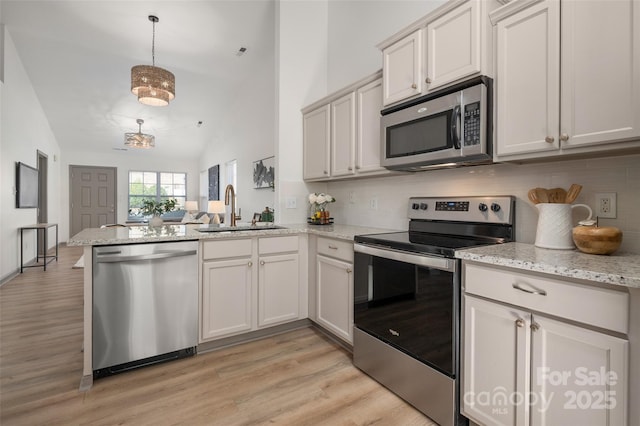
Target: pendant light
[[139, 140], [153, 85]]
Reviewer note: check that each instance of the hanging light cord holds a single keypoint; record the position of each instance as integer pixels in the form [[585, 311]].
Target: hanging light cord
[[153, 44]]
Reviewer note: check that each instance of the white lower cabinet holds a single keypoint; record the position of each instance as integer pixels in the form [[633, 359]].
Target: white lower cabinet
[[278, 291], [249, 284], [521, 367], [334, 287], [226, 297]]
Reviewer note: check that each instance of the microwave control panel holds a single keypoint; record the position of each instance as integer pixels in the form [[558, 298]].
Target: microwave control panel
[[472, 124]]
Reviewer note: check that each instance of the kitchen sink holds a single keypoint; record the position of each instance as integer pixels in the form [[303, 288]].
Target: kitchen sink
[[223, 228]]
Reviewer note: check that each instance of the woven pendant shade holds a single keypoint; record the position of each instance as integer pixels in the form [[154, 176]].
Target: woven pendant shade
[[153, 85]]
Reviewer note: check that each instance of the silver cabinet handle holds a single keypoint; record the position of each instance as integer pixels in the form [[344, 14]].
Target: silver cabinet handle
[[262, 262], [250, 264], [519, 322], [526, 290], [349, 270], [414, 86], [549, 139], [333, 247], [535, 326], [564, 137], [325, 172], [428, 80]]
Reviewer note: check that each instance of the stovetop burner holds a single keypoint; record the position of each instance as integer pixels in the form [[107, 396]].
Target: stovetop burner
[[440, 226]]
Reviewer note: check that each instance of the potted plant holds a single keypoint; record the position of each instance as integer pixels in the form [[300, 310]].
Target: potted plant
[[155, 209]]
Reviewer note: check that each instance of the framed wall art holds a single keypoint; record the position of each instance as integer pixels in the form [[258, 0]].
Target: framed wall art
[[214, 182], [264, 173]]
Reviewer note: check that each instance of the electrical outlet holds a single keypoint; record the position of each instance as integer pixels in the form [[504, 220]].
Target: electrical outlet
[[373, 203], [292, 203], [606, 205], [352, 197]]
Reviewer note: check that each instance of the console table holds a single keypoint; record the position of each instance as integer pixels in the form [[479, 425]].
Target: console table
[[46, 258]]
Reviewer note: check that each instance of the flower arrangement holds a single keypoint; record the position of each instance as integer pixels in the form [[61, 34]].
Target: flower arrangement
[[319, 201], [319, 212]]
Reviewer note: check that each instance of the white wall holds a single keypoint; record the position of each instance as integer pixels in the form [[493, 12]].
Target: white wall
[[301, 72], [124, 161], [356, 27], [24, 131], [246, 134]]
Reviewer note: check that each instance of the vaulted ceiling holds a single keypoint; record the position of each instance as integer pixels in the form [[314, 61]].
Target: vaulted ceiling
[[78, 56]]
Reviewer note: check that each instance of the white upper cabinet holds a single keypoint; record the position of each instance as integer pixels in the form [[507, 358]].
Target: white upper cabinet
[[600, 71], [445, 47], [369, 99], [527, 80], [345, 129], [343, 135], [453, 45], [402, 68], [563, 87], [317, 134]]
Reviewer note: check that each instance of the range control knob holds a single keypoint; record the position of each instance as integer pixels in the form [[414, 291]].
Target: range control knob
[[415, 206], [423, 206], [495, 207], [482, 207]]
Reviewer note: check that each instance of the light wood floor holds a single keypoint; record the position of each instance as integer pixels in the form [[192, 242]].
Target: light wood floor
[[297, 378]]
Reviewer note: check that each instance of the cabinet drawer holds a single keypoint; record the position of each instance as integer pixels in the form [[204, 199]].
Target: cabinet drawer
[[335, 248], [600, 307], [226, 249], [270, 245]]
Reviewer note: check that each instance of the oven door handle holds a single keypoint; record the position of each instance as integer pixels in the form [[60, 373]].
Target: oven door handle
[[440, 263]]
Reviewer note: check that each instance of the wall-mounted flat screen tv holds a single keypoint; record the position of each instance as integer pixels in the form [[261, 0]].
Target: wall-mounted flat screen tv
[[26, 186]]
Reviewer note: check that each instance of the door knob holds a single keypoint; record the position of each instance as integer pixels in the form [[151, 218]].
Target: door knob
[[564, 137], [519, 322], [549, 139], [428, 80], [414, 86]]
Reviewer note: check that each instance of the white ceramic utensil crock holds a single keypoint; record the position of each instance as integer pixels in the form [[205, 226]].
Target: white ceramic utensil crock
[[555, 224]]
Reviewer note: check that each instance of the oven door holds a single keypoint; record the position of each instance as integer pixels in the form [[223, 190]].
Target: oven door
[[409, 301]]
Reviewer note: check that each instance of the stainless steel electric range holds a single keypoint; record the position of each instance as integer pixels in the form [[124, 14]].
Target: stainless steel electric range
[[407, 298]]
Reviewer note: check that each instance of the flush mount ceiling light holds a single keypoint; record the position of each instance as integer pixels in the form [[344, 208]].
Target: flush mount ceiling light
[[153, 85], [139, 140]]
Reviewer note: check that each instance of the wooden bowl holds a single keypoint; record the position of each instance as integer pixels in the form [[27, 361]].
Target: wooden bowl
[[597, 239]]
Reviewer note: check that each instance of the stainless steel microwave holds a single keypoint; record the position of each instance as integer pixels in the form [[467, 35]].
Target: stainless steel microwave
[[449, 128]]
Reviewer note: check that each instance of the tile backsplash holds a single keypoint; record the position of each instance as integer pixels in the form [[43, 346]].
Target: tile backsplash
[[390, 193]]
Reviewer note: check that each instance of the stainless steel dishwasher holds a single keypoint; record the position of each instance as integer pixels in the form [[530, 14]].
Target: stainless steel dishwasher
[[145, 304]]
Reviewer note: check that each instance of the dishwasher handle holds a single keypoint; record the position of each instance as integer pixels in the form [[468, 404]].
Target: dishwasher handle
[[143, 257]]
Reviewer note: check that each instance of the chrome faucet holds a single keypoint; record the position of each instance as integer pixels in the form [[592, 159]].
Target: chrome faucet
[[229, 190]]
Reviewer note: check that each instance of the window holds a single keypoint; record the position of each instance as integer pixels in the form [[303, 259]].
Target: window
[[158, 186], [232, 174]]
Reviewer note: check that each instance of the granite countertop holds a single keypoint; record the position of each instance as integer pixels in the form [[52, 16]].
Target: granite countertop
[[618, 269], [179, 232]]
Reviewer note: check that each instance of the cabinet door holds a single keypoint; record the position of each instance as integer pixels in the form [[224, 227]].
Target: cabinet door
[[495, 362], [579, 376], [316, 143], [335, 296], [368, 136], [278, 289], [343, 135], [226, 297], [600, 71], [453, 45], [402, 73], [527, 80]]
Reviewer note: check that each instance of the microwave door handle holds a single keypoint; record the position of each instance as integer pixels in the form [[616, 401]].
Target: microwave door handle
[[455, 127]]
